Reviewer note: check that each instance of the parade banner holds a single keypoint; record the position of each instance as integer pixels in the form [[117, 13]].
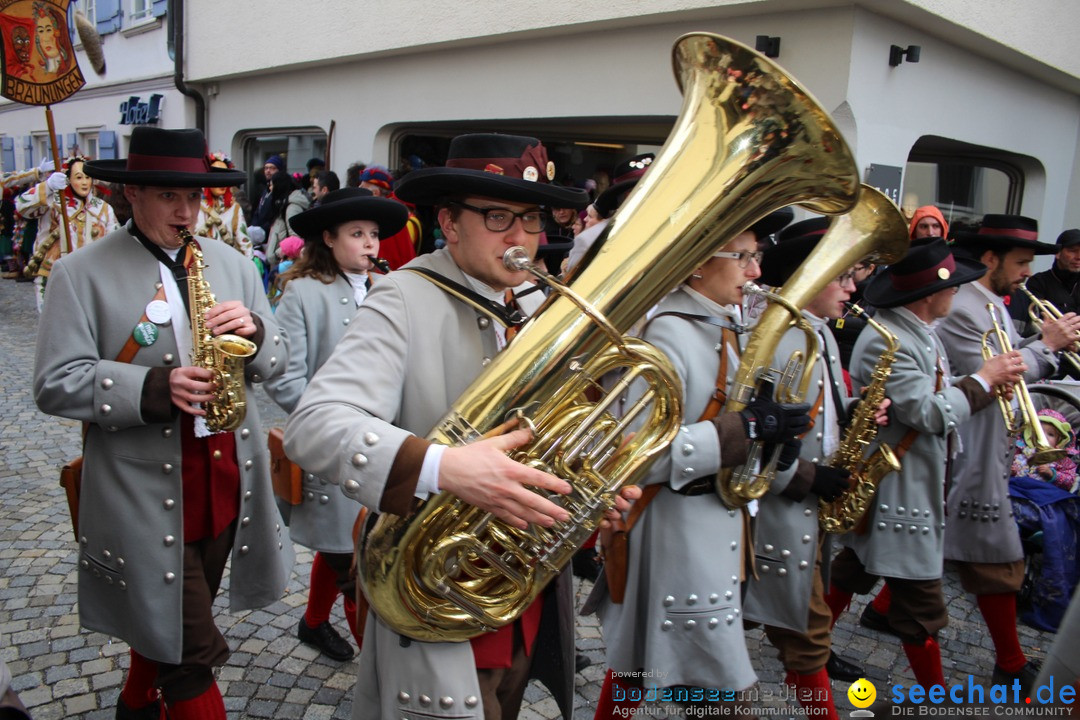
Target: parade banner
[[37, 60]]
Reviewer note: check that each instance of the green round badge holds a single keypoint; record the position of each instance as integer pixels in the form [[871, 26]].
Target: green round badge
[[145, 333]]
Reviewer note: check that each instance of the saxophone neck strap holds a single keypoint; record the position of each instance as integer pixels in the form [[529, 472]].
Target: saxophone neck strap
[[720, 322], [179, 268], [504, 315]]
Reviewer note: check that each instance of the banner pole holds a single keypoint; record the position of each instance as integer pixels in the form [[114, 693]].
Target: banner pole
[[67, 246]]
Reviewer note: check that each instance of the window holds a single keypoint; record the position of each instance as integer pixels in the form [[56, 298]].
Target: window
[[140, 10], [295, 145], [88, 144], [964, 181], [89, 9]]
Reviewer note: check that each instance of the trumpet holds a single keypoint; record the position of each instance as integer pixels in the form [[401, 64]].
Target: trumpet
[[1028, 416], [1040, 308]]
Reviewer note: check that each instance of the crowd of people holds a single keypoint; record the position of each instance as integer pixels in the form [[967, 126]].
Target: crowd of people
[[367, 340]]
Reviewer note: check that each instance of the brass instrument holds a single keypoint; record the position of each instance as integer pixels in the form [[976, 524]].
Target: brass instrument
[[1028, 417], [844, 513], [222, 355], [747, 142], [874, 230], [1037, 309]]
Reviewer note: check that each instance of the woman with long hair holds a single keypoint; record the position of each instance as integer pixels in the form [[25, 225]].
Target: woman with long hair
[[320, 294]]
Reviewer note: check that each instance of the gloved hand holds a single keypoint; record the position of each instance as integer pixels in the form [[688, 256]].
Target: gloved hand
[[46, 166], [789, 453], [829, 483], [57, 182], [772, 422]]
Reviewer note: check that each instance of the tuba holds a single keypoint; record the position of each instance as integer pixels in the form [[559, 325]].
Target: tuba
[[873, 230], [222, 355], [749, 140]]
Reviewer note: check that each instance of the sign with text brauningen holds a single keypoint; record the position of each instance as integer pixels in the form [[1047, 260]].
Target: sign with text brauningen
[[37, 61]]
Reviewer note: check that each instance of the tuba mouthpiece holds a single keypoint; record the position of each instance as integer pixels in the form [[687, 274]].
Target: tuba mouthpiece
[[517, 258], [752, 288]]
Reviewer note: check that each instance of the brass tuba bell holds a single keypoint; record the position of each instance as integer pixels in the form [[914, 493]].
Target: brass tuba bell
[[749, 140]]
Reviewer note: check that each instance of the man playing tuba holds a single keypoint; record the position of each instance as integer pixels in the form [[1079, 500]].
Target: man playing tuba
[[410, 352]]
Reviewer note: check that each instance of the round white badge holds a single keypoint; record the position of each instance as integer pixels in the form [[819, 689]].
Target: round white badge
[[530, 173], [157, 312]]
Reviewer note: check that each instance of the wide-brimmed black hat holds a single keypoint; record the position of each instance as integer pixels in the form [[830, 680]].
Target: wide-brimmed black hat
[[347, 204], [772, 223], [1004, 232], [928, 267], [165, 158], [505, 167], [793, 245], [626, 177]]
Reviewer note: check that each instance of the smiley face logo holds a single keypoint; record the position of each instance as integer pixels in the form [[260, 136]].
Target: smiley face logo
[[862, 693]]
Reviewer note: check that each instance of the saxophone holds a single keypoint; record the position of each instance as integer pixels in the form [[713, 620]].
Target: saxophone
[[222, 355], [843, 514]]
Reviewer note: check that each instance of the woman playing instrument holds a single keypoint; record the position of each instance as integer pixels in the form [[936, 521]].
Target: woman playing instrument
[[680, 620], [89, 218], [320, 294]]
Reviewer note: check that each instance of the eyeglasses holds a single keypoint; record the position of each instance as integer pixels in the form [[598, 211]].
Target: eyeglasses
[[743, 257], [500, 219], [845, 278]]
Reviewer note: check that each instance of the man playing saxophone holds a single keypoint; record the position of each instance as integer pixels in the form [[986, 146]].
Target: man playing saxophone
[[787, 593], [164, 500], [901, 536], [985, 545]]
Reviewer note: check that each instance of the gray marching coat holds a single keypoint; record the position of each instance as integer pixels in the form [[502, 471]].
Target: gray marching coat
[[681, 614], [905, 525], [980, 526], [409, 353], [786, 528], [131, 542], [313, 316]]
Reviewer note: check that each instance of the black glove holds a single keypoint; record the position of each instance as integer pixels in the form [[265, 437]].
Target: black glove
[[829, 483], [772, 422], [789, 453]]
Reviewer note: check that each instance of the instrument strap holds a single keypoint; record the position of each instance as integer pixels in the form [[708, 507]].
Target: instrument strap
[[912, 434], [505, 316], [131, 347], [711, 410]]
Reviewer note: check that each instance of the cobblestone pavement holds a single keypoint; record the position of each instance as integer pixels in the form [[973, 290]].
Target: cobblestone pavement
[[62, 672]]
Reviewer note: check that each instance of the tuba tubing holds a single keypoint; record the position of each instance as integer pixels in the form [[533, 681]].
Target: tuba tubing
[[875, 230], [748, 141]]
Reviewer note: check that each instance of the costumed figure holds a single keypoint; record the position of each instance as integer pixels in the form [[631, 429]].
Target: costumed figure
[[320, 294], [126, 344], [220, 216], [403, 245], [89, 218]]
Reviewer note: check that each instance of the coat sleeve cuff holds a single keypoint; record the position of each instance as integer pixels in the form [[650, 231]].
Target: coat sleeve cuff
[[404, 473], [973, 391], [156, 400], [258, 337], [734, 447]]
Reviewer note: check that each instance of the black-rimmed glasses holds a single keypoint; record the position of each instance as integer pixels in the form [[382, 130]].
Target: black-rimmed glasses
[[498, 219], [743, 257]]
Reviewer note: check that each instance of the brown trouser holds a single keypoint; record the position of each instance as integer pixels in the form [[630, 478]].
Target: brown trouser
[[990, 578], [204, 648], [503, 688], [806, 653], [917, 610]]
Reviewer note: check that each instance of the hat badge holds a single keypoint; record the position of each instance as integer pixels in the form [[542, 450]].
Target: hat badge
[[944, 273], [530, 173], [550, 171]]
